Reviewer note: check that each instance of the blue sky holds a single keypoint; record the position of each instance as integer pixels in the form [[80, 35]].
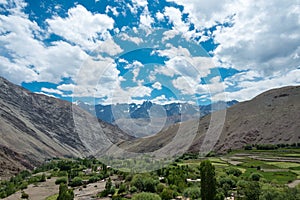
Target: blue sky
[[164, 51]]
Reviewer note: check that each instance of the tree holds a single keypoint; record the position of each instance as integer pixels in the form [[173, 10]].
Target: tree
[[234, 171], [65, 193], [208, 180], [167, 194], [252, 190], [192, 192], [146, 196]]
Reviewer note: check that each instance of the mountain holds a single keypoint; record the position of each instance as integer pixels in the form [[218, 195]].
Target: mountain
[[272, 117], [135, 119], [35, 127]]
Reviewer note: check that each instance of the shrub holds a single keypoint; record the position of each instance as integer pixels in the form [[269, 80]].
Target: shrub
[[122, 188], [77, 181], [61, 180], [167, 194], [93, 179], [234, 171], [43, 178], [193, 193], [65, 193], [255, 176], [23, 185], [24, 195], [146, 196], [133, 189], [160, 187]]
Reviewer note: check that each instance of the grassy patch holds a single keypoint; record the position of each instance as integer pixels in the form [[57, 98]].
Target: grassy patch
[[284, 165], [251, 163], [52, 197]]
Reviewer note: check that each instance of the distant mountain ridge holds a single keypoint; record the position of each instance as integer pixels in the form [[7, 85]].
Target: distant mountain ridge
[[135, 119], [176, 112], [272, 117]]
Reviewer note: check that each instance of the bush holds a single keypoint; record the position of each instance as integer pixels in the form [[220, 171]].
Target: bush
[[24, 195], [61, 180], [65, 193], [43, 178], [146, 196], [77, 181], [248, 147], [145, 184], [133, 189], [160, 187], [23, 185], [255, 176], [167, 194], [193, 193], [122, 188], [93, 179], [234, 171]]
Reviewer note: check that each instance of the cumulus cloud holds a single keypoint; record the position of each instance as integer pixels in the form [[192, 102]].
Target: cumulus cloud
[[126, 37], [175, 16], [29, 59], [52, 91], [249, 89], [262, 38], [82, 27], [146, 20], [157, 85]]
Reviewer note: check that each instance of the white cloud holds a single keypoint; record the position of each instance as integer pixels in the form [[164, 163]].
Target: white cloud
[[206, 13], [109, 46], [264, 35], [66, 87], [52, 91], [250, 89], [111, 9], [43, 93], [30, 60], [262, 38], [181, 62], [126, 37], [175, 15], [146, 20], [169, 34], [157, 85], [159, 16], [141, 3], [81, 27], [135, 68]]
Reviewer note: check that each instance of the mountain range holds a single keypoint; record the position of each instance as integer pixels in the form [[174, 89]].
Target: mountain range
[[272, 117], [134, 118], [35, 127]]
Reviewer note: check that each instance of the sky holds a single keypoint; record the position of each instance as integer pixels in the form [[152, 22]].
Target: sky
[[129, 51]]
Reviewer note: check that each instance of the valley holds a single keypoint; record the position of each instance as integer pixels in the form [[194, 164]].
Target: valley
[[277, 173]]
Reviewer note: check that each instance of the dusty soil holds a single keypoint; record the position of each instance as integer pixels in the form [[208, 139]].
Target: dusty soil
[[39, 192], [90, 191], [294, 183]]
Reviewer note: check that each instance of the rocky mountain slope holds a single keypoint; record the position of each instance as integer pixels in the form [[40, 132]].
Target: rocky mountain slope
[[35, 127], [272, 117]]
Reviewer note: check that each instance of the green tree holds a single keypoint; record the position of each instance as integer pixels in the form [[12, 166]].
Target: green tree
[[167, 194], [192, 192], [77, 181], [65, 193], [208, 180], [146, 196], [252, 190]]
